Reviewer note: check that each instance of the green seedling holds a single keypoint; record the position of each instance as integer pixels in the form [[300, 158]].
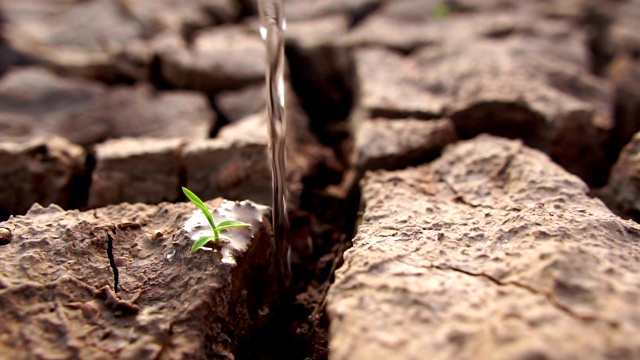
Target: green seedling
[[441, 11], [227, 224]]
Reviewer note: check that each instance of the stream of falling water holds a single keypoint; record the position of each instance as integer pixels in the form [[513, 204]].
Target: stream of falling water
[[272, 32]]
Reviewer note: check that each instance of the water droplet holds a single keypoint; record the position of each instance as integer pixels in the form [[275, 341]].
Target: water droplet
[[281, 96], [169, 254], [58, 233]]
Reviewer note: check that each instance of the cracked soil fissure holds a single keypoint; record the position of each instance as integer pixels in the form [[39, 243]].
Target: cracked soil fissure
[[549, 297], [112, 262]]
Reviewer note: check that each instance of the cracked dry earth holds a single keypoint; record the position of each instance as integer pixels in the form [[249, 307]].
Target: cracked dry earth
[[466, 246], [491, 251], [118, 282]]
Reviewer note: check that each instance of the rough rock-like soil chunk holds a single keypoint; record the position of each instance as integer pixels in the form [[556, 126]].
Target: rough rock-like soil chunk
[[624, 74], [396, 143], [57, 285], [180, 16], [135, 170], [40, 170], [73, 37], [235, 164], [35, 102], [318, 32], [10, 57], [164, 20], [490, 252], [238, 104], [433, 9], [141, 111], [400, 33], [236, 168], [623, 190], [407, 25], [616, 46], [389, 87], [220, 58], [309, 9], [320, 65], [534, 89], [623, 32]]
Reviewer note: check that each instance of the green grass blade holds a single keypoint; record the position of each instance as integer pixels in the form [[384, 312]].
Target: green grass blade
[[231, 224], [202, 242], [441, 11], [200, 204]]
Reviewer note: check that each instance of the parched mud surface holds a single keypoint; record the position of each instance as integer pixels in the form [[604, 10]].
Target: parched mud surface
[[105, 102], [119, 282], [489, 252]]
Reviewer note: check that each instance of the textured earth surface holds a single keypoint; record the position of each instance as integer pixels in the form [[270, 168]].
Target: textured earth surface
[[489, 252], [622, 193], [39, 170], [36, 102], [105, 102], [120, 282]]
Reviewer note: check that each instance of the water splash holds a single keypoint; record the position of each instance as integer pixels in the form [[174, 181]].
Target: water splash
[[169, 254], [272, 33]]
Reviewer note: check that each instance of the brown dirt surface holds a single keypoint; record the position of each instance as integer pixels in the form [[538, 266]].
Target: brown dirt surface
[[490, 252], [57, 285], [40, 169], [221, 58], [532, 89], [397, 143], [35, 102], [136, 170], [622, 192]]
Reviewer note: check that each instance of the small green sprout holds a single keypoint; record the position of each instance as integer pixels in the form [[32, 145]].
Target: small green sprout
[[227, 224], [441, 11]]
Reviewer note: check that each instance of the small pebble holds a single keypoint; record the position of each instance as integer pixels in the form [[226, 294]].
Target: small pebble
[[135, 250], [121, 261]]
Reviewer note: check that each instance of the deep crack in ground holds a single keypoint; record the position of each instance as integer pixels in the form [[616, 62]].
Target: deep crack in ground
[[112, 261]]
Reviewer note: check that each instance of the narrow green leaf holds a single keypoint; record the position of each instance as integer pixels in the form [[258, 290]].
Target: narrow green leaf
[[200, 204], [202, 242], [441, 11], [231, 224]]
